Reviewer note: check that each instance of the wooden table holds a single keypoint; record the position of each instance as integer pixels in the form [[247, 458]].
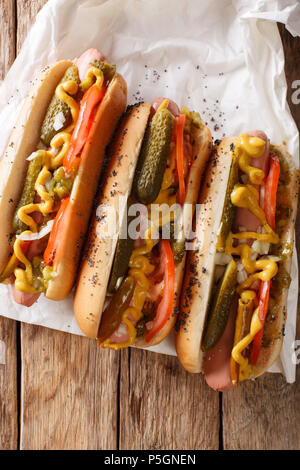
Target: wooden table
[[59, 391]]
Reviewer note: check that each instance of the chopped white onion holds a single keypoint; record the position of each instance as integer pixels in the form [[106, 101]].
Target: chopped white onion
[[222, 259], [37, 235], [41, 146], [241, 273], [239, 266], [262, 248], [242, 229], [32, 156], [59, 121], [47, 184]]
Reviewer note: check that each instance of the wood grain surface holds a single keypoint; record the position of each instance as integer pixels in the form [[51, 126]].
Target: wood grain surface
[[164, 407], [7, 35], [8, 329], [69, 397], [75, 396]]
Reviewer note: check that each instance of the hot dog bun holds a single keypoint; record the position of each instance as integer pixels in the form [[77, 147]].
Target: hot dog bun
[[199, 274], [22, 142], [25, 139], [85, 187], [99, 254]]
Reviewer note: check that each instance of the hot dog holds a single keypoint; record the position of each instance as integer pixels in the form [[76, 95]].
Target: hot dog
[[133, 284], [231, 322], [50, 171]]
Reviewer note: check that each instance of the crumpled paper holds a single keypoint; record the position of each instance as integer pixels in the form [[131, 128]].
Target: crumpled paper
[[221, 58]]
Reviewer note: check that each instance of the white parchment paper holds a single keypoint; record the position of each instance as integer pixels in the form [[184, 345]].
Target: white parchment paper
[[219, 57]]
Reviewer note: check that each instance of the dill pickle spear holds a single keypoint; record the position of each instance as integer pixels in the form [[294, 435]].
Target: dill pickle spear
[[228, 209], [107, 69], [153, 158], [57, 107], [220, 307], [112, 315], [177, 243], [28, 192], [123, 252]]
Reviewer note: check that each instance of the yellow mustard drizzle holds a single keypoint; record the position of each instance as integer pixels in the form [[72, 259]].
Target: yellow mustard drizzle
[[245, 367], [247, 147], [246, 302], [140, 267], [267, 267], [92, 74], [139, 264], [24, 278], [246, 196], [51, 161]]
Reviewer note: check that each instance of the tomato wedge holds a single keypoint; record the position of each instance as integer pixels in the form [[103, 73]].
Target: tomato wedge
[[165, 307], [271, 186], [87, 110], [180, 123], [60, 218]]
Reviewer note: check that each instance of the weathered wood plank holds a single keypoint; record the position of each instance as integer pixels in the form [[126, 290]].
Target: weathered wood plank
[[69, 392], [164, 407], [26, 13], [7, 36], [69, 386], [8, 385], [265, 414], [262, 415], [8, 335]]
